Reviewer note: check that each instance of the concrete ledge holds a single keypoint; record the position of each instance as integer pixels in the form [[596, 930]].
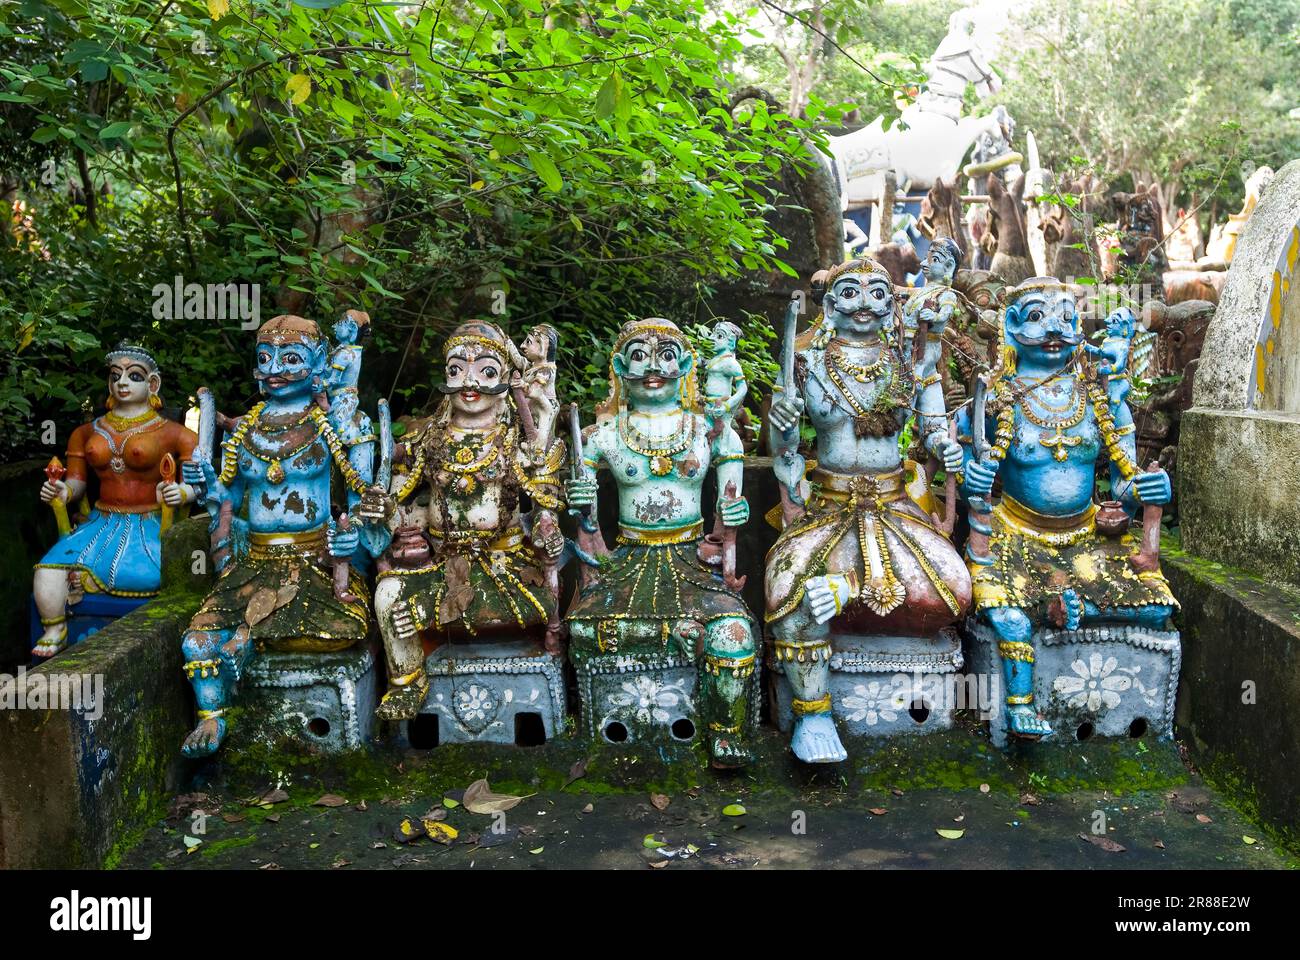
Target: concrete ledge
[[1238, 490], [75, 784], [1241, 642]]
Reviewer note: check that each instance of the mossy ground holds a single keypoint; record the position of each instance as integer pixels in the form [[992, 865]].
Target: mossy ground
[[591, 805]]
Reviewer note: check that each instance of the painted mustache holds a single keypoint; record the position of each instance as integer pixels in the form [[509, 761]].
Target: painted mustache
[[656, 376], [448, 390], [1069, 339], [282, 375]]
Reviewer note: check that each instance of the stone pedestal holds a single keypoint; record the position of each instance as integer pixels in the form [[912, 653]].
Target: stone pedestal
[[507, 691], [1108, 680], [324, 702], [93, 613], [645, 699], [885, 686]]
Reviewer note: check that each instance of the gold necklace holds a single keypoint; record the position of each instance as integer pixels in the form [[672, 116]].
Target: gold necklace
[[468, 455], [659, 452], [1059, 442], [865, 415], [117, 438], [863, 373], [120, 423], [275, 470]]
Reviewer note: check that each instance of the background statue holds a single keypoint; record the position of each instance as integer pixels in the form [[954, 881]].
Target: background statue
[[117, 550]]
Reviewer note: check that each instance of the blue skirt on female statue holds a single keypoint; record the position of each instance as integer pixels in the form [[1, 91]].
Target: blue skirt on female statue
[[122, 552]]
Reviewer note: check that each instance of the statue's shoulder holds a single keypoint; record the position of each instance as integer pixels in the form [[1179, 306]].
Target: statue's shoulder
[[352, 428]]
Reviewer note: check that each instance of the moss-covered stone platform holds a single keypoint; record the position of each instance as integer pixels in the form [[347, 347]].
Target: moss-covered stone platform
[[597, 807]]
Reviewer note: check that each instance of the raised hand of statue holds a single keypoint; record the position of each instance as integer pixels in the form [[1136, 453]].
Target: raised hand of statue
[[734, 513], [980, 475], [342, 543], [200, 473], [785, 411], [170, 493], [946, 450], [375, 506], [51, 489], [827, 596], [580, 492], [1154, 488], [547, 535]]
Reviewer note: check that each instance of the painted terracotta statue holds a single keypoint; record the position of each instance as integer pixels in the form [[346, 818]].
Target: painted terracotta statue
[[654, 593], [533, 380], [285, 576], [117, 550], [858, 554], [344, 372], [480, 567], [1113, 356], [1045, 554]]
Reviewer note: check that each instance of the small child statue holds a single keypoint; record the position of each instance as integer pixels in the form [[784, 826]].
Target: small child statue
[[1121, 326], [535, 375], [724, 380], [345, 361], [928, 310]]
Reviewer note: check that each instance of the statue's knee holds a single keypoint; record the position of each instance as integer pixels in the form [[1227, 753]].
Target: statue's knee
[[1011, 623], [730, 636], [197, 645]]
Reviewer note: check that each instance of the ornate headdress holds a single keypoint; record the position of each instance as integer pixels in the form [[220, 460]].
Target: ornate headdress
[[479, 337], [288, 328], [687, 390], [134, 353], [816, 336]]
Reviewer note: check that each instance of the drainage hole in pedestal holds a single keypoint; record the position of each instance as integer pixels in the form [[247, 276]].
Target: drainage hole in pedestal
[[683, 728], [615, 732], [529, 730], [919, 711], [319, 727], [1138, 728], [422, 732], [1085, 730]]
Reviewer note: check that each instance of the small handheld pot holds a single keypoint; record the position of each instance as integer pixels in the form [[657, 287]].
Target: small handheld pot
[[1112, 519]]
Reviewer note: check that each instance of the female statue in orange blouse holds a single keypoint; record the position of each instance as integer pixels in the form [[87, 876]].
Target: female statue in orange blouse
[[117, 550]]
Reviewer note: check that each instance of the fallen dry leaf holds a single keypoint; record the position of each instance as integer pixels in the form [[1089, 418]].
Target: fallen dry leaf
[[660, 801], [577, 771], [950, 834], [459, 593], [408, 830], [878, 811], [330, 800], [260, 606], [588, 808], [1160, 844], [269, 866], [1030, 800], [1106, 843], [657, 864], [479, 798], [1202, 818]]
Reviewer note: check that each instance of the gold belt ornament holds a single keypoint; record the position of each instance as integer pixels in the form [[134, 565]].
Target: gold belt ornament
[[661, 538], [103, 507], [512, 539], [884, 487], [262, 546], [1055, 531]]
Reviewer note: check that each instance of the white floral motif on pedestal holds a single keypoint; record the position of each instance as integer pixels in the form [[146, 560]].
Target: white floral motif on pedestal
[[649, 700], [874, 702], [475, 707], [1096, 685]]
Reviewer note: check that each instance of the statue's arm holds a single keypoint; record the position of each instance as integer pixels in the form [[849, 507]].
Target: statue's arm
[[729, 457]]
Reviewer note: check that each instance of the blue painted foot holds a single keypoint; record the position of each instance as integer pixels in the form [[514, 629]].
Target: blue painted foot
[[815, 739], [1023, 721], [205, 739]]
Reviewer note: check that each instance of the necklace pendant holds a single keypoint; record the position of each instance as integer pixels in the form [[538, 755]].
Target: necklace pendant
[[118, 465], [275, 472], [661, 466]]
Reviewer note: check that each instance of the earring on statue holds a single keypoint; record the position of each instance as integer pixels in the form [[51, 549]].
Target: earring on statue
[[155, 402], [110, 403]]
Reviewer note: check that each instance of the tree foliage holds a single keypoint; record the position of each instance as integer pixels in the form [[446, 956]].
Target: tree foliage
[[570, 161]]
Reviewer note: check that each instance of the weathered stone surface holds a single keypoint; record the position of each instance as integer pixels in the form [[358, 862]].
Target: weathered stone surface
[[74, 785], [1229, 380], [884, 686], [1240, 691], [491, 692], [317, 702], [1110, 680], [1239, 490]]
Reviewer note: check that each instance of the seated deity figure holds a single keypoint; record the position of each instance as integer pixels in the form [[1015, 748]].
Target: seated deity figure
[[117, 551], [857, 555], [483, 568], [1036, 558], [653, 596], [284, 578]]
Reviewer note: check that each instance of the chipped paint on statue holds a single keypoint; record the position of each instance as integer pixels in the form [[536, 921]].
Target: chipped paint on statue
[[285, 578], [858, 554], [654, 601], [478, 569], [1113, 356], [1046, 556]]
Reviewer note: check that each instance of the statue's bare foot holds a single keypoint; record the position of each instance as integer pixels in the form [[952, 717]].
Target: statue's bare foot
[[728, 750], [1024, 722], [815, 739], [54, 639], [403, 703], [204, 739]]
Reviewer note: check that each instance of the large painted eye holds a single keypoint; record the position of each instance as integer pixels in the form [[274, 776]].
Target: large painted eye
[[454, 370], [668, 354], [638, 355], [1035, 316], [263, 357], [136, 376], [490, 373], [291, 359]]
